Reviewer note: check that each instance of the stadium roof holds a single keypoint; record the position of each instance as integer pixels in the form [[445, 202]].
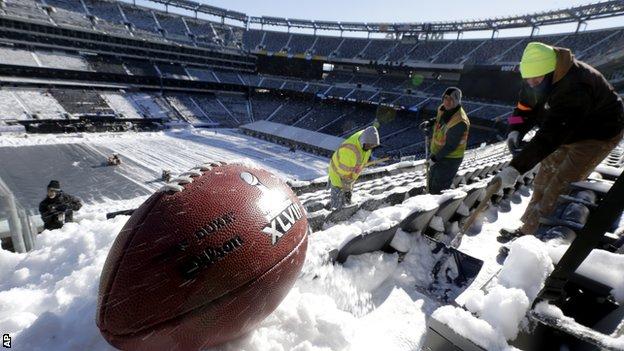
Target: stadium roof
[[579, 14]]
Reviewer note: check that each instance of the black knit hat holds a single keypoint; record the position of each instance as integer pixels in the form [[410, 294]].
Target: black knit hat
[[54, 185]]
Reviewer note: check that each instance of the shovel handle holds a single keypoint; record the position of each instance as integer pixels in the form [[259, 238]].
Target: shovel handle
[[492, 188], [374, 162]]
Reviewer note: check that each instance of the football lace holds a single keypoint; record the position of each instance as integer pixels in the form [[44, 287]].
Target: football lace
[[176, 184]]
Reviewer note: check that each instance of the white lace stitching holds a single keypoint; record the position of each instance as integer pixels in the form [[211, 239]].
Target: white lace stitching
[[175, 185]]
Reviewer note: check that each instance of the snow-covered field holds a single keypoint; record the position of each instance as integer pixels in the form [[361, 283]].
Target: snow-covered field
[[76, 160], [179, 150], [48, 296]]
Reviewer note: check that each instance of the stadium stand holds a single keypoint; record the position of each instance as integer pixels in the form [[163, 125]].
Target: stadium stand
[[121, 104], [320, 115], [57, 59], [237, 105], [142, 21], [202, 74], [174, 26], [150, 106], [140, 67], [354, 81], [351, 47], [25, 8], [427, 50], [295, 85], [190, 110], [272, 83], [399, 52], [275, 41], [252, 39], [10, 107], [291, 111], [40, 104], [68, 12], [82, 102], [203, 31], [106, 64], [174, 71], [228, 77], [108, 14], [301, 44], [378, 49], [16, 56], [457, 51], [215, 110], [324, 45]]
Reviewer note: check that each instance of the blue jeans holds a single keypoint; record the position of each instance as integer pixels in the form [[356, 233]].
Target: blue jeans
[[338, 199]]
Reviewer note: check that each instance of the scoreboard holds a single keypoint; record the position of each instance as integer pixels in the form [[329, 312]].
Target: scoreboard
[[491, 82]]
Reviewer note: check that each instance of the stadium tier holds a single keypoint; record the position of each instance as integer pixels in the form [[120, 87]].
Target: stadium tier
[[250, 83]]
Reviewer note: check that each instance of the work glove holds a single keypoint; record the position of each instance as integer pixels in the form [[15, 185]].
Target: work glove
[[431, 161], [513, 141], [508, 177]]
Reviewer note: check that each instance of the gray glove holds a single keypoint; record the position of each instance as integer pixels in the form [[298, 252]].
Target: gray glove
[[513, 141], [508, 176]]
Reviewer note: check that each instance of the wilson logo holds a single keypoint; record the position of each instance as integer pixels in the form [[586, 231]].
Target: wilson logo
[[281, 224]]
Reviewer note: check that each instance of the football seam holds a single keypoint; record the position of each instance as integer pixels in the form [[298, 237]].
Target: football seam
[[120, 260], [181, 315]]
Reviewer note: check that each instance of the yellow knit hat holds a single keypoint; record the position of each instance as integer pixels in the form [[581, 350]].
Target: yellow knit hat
[[538, 59]]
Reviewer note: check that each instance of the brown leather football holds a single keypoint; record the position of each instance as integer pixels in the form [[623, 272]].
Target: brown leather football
[[202, 261]]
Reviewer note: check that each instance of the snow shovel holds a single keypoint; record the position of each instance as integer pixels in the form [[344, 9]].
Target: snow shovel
[[455, 270]]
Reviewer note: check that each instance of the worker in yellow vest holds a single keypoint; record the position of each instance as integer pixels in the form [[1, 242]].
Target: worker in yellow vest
[[347, 163], [448, 142]]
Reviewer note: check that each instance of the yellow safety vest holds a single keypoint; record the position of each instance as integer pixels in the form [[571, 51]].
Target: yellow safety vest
[[348, 161], [439, 133]]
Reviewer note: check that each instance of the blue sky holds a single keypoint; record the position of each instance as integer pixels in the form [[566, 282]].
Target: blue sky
[[403, 10]]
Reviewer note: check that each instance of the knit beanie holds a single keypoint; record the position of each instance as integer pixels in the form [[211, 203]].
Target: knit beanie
[[538, 60], [455, 94], [370, 136], [54, 185]]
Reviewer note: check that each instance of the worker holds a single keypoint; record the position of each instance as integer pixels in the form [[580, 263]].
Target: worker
[[448, 142], [580, 119], [347, 163]]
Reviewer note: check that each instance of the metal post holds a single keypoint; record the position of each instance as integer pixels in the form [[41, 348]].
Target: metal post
[[15, 224]]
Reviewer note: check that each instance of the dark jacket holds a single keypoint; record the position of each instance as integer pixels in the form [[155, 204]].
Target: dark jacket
[[576, 103], [50, 209]]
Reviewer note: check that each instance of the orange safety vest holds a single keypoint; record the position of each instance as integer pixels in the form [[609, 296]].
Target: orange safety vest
[[348, 161], [438, 139]]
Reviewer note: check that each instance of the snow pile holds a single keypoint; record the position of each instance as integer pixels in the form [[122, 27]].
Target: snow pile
[[527, 266], [388, 217], [49, 294], [499, 312], [475, 329]]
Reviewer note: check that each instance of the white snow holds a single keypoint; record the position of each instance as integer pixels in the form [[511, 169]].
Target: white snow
[[368, 303], [471, 327], [180, 150], [602, 266], [527, 266]]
